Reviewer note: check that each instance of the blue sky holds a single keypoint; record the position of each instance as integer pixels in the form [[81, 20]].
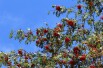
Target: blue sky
[[16, 14]]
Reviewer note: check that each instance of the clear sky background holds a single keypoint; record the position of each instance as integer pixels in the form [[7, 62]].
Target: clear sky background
[[16, 14]]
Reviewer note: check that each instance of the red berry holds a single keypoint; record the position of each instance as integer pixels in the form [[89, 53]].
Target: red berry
[[76, 52], [18, 65], [45, 30], [57, 29], [9, 63], [77, 55], [58, 8], [90, 45], [38, 42], [65, 55], [59, 25], [26, 57], [6, 58], [79, 6], [37, 31], [83, 57], [76, 49], [94, 49], [67, 40], [63, 61], [91, 3], [70, 22], [71, 62], [44, 39], [56, 34], [92, 66], [47, 47], [20, 52]]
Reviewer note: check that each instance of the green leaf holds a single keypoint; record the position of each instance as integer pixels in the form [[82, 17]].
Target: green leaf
[[69, 11], [98, 46], [90, 21], [11, 34], [23, 35], [26, 64], [34, 37], [86, 15], [28, 38]]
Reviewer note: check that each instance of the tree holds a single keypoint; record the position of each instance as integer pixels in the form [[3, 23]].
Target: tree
[[74, 42]]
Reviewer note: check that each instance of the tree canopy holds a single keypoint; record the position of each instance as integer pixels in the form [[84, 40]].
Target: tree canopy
[[75, 42]]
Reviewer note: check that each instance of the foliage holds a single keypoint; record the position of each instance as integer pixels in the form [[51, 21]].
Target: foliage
[[71, 43]]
